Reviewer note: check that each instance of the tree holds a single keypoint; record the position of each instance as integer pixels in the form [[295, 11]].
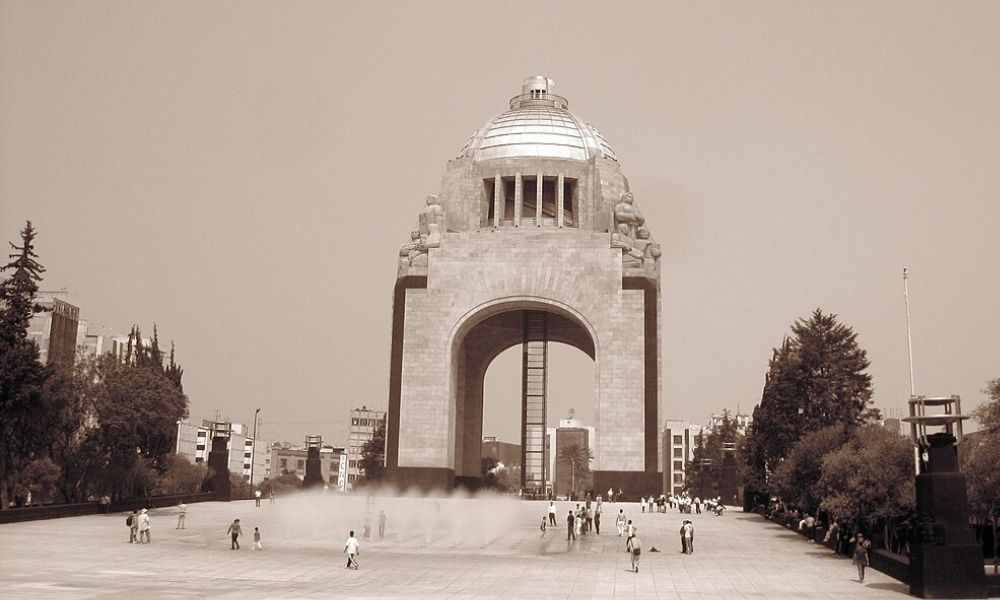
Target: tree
[[988, 413], [372, 463], [578, 458], [137, 410], [709, 451], [870, 478], [181, 476], [815, 379], [979, 463], [21, 374], [983, 476], [795, 479]]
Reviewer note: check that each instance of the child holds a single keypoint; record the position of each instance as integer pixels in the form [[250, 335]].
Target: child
[[544, 523], [256, 539]]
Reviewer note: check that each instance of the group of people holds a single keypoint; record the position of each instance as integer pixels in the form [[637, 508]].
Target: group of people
[[683, 503], [138, 524], [587, 518], [838, 533]]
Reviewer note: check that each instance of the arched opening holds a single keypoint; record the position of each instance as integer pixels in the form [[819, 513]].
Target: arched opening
[[572, 393], [528, 327]]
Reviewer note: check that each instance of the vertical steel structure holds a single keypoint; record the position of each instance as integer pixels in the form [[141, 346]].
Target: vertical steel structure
[[534, 386]]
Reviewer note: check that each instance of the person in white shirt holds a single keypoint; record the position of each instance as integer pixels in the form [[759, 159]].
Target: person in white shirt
[[552, 513], [144, 527], [620, 522], [182, 510], [352, 548]]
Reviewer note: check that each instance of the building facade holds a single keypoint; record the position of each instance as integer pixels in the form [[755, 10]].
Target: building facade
[[363, 425], [571, 431], [194, 441], [502, 452], [54, 330], [534, 237], [679, 440], [291, 460]]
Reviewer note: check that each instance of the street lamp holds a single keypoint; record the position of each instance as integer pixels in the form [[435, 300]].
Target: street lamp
[[946, 561], [253, 447]]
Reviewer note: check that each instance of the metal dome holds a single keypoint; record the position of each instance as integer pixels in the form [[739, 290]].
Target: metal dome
[[537, 124]]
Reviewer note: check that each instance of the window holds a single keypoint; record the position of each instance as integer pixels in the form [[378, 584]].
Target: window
[[678, 478], [678, 452], [678, 465], [300, 464], [284, 464], [678, 440]]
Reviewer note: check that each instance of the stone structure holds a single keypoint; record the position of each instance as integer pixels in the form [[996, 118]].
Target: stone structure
[[533, 238]]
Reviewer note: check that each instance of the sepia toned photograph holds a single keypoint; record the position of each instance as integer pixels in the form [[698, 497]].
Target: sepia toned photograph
[[413, 299]]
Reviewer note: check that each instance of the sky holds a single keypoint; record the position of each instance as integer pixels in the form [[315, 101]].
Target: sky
[[243, 174]]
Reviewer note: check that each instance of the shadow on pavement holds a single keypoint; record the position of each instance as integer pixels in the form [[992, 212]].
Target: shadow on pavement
[[895, 586]]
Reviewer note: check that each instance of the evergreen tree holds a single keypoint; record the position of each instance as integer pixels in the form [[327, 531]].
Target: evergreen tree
[[22, 376], [815, 379], [372, 463]]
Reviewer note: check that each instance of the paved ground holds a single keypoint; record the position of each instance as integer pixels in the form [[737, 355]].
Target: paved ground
[[454, 548]]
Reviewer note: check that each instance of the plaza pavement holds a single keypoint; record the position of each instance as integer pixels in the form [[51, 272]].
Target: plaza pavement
[[433, 549]]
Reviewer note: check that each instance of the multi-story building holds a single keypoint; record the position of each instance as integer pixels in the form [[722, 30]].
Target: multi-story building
[[743, 422], [93, 340], [678, 442], [195, 442], [502, 452], [364, 423], [55, 328], [571, 431], [291, 460]]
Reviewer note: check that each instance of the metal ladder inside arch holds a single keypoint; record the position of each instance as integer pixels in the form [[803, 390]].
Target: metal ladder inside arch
[[534, 385]]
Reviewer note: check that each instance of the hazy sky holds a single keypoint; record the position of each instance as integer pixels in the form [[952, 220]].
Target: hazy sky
[[243, 174]]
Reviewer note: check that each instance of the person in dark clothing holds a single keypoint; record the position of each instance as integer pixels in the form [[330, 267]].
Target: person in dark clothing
[[570, 522]]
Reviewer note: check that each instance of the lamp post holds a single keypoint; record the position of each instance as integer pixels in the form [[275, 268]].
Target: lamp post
[[253, 447], [946, 560]]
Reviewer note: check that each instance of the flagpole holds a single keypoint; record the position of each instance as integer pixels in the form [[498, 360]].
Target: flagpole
[[909, 339]]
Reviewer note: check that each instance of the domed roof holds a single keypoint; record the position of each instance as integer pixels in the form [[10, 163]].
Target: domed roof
[[537, 124]]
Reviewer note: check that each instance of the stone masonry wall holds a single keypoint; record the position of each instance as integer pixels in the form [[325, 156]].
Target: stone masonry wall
[[573, 271]]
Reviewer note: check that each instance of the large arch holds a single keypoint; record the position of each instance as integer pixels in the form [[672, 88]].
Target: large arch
[[478, 339]]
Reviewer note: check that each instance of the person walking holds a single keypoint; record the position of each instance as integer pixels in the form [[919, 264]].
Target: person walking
[[133, 527], [381, 523], [256, 497], [144, 527], [861, 556], [270, 494], [256, 539], [181, 515], [570, 527], [636, 551], [234, 531], [620, 522], [352, 548], [687, 531], [597, 517], [589, 516], [552, 513], [545, 522]]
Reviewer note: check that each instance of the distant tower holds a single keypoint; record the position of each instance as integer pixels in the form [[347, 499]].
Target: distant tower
[[534, 238]]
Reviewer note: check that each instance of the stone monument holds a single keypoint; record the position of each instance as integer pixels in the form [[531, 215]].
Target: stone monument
[[946, 561], [218, 462], [314, 467], [534, 237]]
